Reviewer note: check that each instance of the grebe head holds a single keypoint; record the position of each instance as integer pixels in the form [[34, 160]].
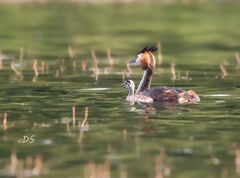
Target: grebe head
[[144, 58], [129, 84]]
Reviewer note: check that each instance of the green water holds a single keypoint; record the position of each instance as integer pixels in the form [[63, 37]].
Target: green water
[[121, 140]]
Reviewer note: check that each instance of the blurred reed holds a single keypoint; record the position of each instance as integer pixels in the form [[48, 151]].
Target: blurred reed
[[237, 57], [84, 64], [21, 55], [35, 68], [18, 73], [95, 65], [5, 120], [73, 116], [224, 71], [173, 72], [160, 56], [70, 52], [110, 59], [25, 167], [84, 123], [237, 159], [1, 60]]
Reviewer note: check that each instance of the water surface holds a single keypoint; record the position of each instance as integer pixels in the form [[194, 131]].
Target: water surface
[[120, 140]]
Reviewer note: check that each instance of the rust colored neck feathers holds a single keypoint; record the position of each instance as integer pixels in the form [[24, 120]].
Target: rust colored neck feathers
[[148, 65], [148, 60]]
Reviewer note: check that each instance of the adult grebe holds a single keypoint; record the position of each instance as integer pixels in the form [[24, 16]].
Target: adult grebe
[[129, 84], [146, 60]]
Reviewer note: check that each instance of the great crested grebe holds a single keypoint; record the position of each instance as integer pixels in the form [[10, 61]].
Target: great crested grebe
[[129, 84], [146, 60]]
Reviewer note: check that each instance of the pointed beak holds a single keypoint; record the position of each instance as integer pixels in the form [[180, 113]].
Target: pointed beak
[[133, 62]]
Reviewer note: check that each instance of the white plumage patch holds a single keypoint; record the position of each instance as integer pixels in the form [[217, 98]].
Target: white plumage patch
[[139, 89], [129, 84], [139, 58], [139, 99]]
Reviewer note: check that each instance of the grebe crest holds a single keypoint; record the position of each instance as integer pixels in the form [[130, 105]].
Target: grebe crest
[[145, 58], [130, 85]]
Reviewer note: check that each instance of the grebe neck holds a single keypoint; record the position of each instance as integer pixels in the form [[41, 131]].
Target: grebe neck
[[130, 91], [146, 80]]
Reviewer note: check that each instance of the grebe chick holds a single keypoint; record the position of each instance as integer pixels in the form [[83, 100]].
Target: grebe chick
[[146, 60], [129, 84]]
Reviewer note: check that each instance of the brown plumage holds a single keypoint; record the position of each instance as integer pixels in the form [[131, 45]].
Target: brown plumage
[[146, 60]]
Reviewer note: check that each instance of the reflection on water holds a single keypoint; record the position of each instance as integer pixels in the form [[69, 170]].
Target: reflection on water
[[28, 167], [64, 114]]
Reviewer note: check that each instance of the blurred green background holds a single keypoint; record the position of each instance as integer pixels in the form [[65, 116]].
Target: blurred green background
[[45, 46]]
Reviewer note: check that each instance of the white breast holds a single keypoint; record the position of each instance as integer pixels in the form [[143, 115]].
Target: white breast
[[139, 99]]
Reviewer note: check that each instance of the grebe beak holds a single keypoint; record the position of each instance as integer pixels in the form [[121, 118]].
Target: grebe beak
[[133, 62]]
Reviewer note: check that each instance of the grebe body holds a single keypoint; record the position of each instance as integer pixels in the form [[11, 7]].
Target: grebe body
[[146, 60], [129, 84], [172, 95]]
